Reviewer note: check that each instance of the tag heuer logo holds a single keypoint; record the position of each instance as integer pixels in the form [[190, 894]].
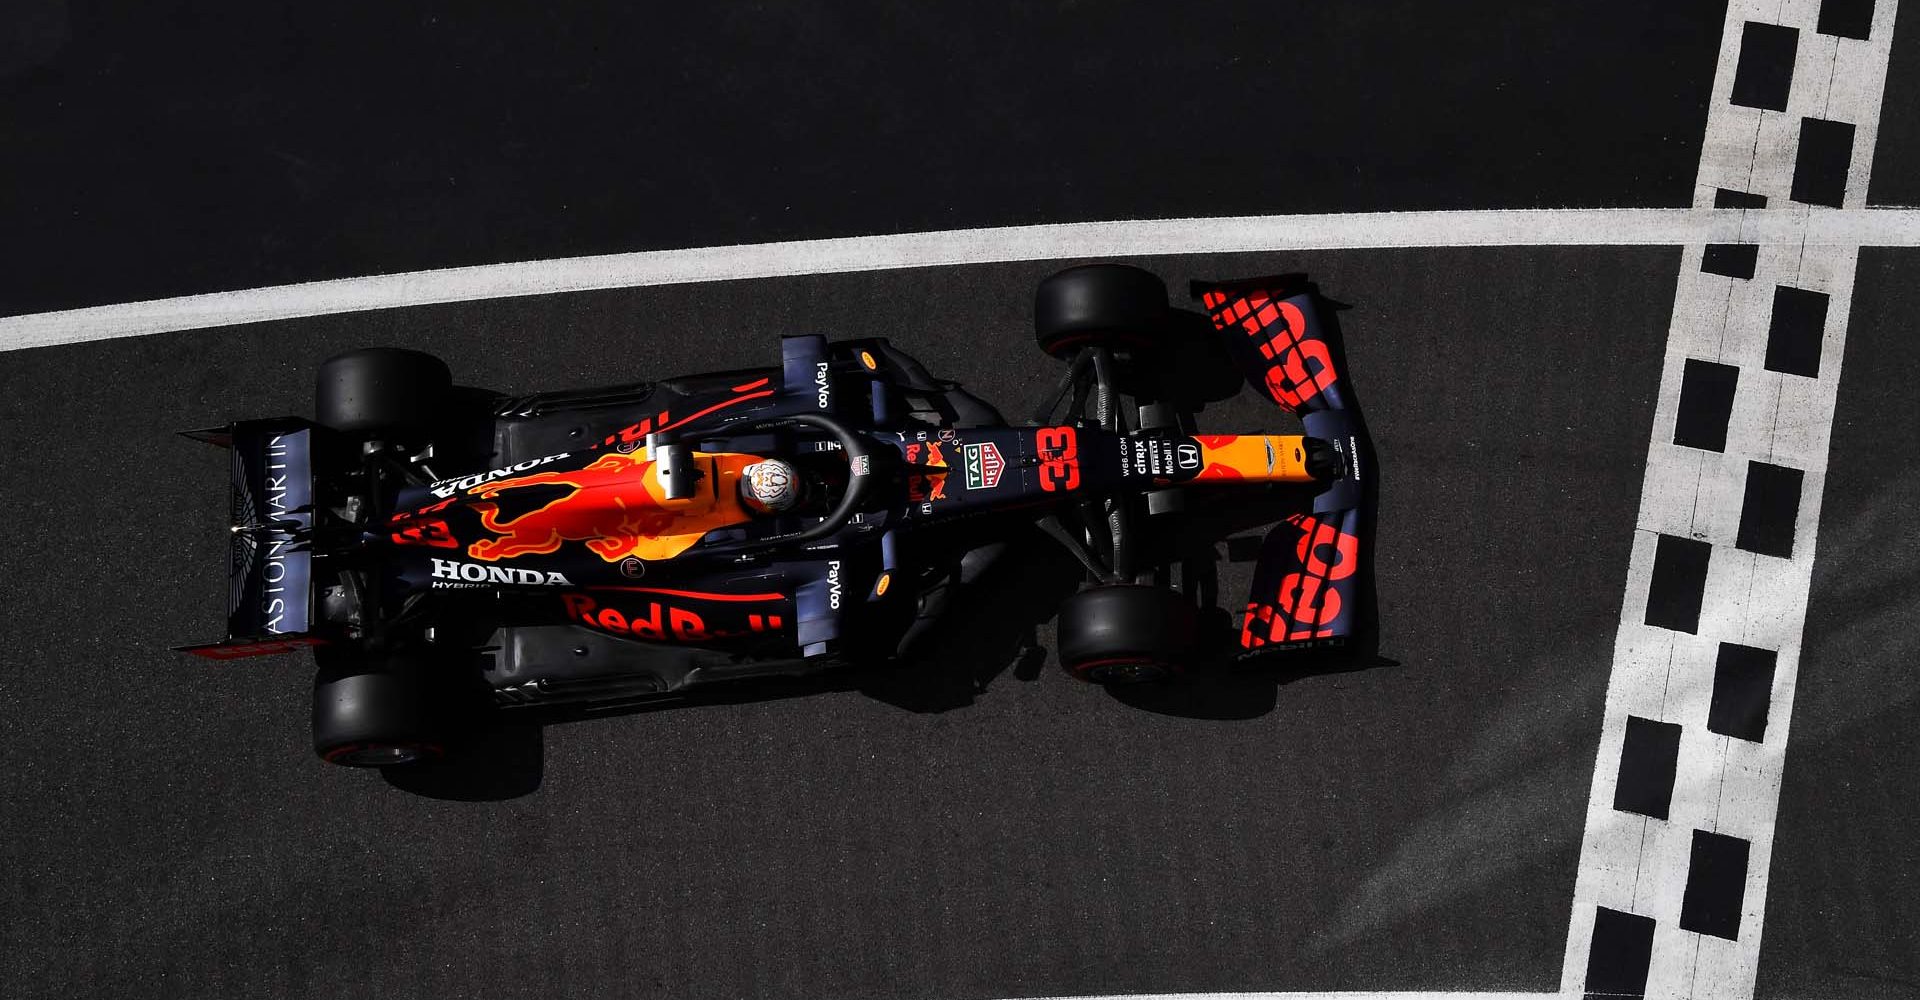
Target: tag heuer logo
[[983, 466]]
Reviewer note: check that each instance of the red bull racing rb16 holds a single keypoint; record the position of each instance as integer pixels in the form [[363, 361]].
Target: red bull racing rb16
[[634, 543]]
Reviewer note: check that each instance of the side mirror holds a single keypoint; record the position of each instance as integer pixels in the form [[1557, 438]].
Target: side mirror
[[673, 464]]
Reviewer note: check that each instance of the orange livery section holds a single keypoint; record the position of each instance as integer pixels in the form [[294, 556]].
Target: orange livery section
[[1257, 458]]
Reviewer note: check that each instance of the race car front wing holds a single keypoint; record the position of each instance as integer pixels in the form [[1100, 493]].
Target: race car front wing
[[1307, 585]]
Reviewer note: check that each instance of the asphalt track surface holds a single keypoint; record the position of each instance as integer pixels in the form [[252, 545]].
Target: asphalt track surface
[[994, 830], [271, 144], [1842, 917], [1044, 839]]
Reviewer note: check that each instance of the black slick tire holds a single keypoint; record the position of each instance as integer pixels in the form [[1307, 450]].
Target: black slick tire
[[1126, 634], [376, 718], [1114, 306], [380, 389]]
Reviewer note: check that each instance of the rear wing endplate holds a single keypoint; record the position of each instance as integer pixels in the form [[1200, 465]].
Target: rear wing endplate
[[270, 593]]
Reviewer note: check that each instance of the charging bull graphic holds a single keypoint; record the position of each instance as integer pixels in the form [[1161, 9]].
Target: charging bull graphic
[[929, 480], [614, 504]]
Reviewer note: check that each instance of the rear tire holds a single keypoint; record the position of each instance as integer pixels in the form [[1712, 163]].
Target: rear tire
[[380, 389], [1126, 634], [374, 719]]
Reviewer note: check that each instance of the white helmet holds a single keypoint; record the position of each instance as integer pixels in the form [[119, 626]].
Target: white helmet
[[770, 486]]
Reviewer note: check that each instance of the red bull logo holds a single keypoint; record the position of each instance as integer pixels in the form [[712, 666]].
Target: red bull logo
[[926, 485], [658, 621]]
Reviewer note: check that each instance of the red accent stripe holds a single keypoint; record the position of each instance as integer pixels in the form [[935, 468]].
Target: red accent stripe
[[751, 385], [1138, 340], [698, 594], [717, 406], [223, 651]]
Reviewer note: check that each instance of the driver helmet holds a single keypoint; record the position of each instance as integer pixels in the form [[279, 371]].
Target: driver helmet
[[770, 486]]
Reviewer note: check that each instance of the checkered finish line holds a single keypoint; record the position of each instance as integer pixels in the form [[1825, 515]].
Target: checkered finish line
[[1673, 869]]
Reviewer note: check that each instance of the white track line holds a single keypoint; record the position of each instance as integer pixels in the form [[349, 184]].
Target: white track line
[[1723, 785], [1336, 995], [1797, 225]]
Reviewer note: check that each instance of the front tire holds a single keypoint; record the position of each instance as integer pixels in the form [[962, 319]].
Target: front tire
[[378, 718], [1114, 306], [1126, 634], [378, 390]]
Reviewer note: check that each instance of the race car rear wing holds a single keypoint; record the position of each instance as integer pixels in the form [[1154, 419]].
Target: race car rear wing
[[270, 566], [1306, 585]]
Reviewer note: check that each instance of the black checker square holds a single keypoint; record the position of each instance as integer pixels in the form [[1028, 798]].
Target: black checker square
[[1796, 330], [1820, 166], [1733, 260], [1742, 692], [1649, 758], [1620, 955], [1846, 18], [1716, 885], [1723, 198], [1679, 583], [1706, 404], [1765, 73], [1769, 509]]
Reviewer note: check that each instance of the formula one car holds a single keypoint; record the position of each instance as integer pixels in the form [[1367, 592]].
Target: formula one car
[[633, 543]]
